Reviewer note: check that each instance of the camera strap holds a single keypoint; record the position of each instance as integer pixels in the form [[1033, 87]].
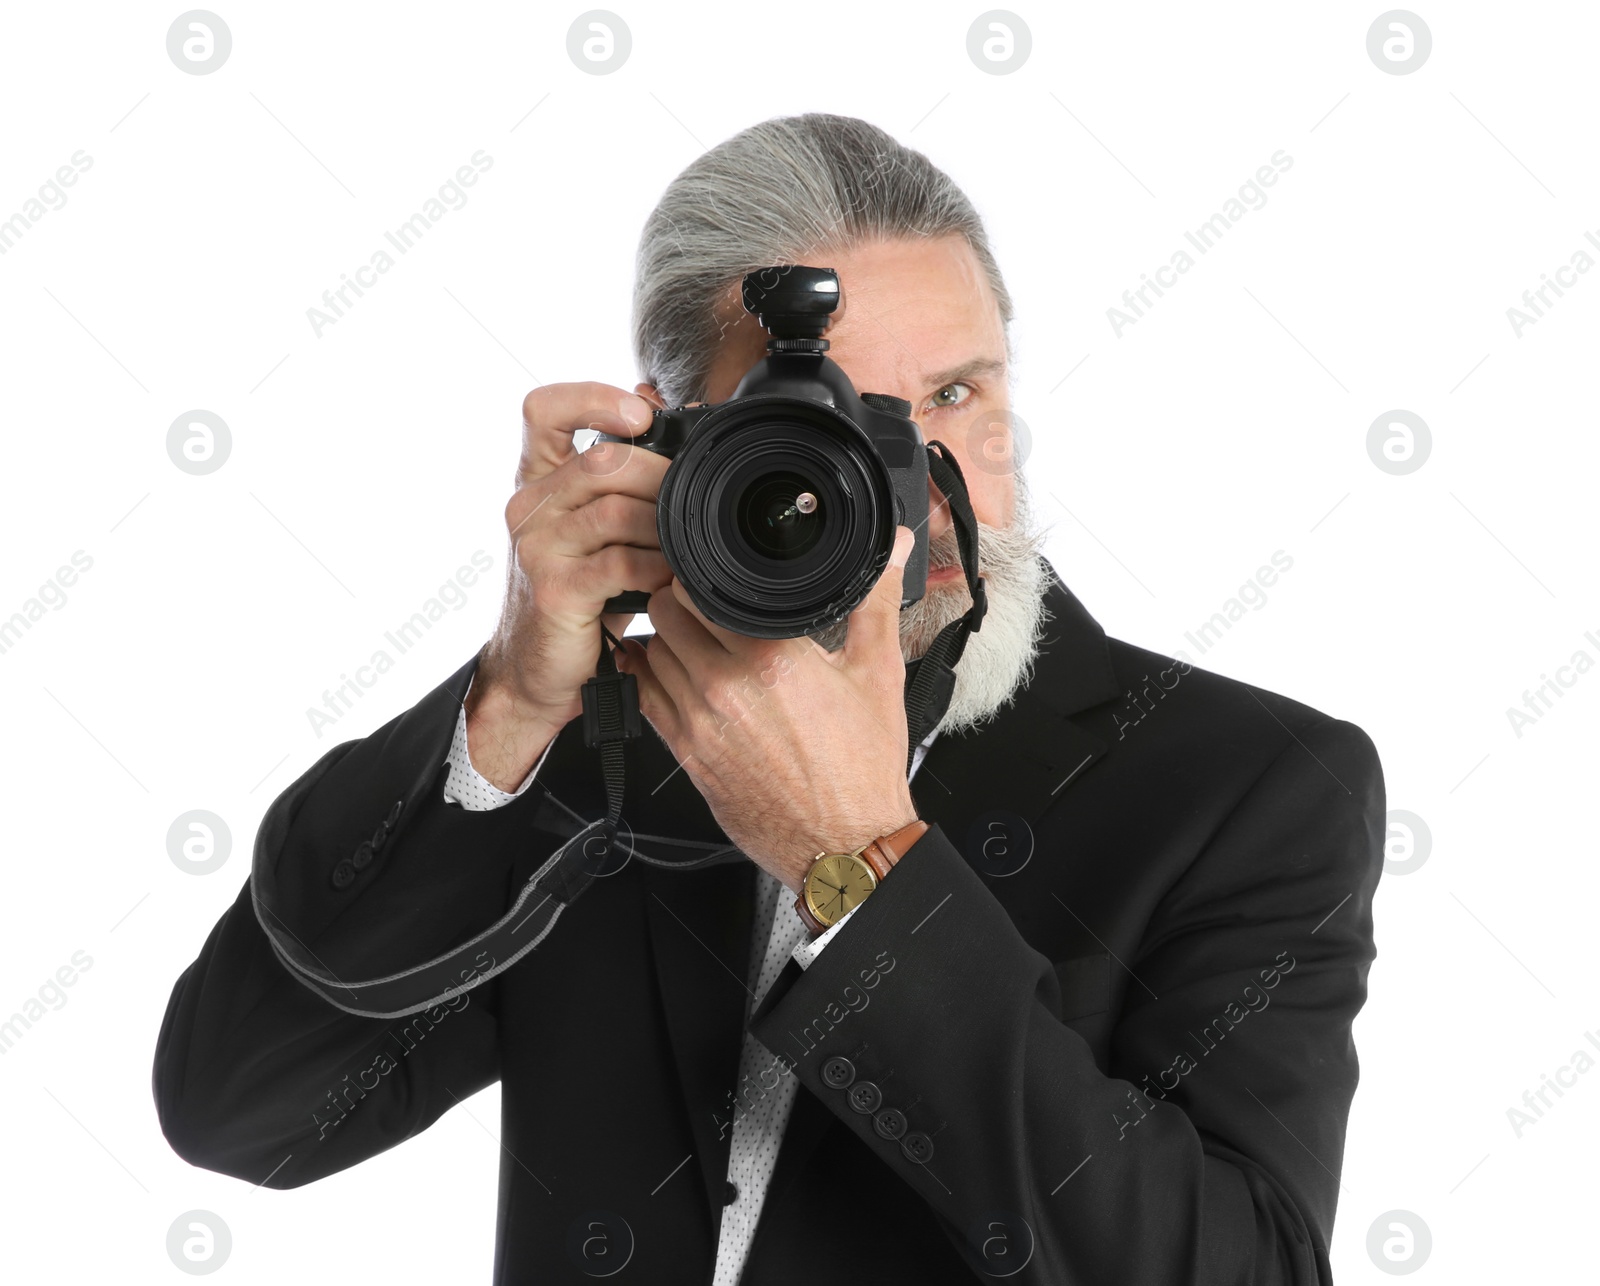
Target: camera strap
[[587, 849], [611, 699], [611, 720], [931, 678]]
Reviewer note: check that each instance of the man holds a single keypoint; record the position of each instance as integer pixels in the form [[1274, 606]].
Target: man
[[1091, 1024]]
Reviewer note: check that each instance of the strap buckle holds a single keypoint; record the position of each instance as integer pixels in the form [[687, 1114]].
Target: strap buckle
[[610, 709]]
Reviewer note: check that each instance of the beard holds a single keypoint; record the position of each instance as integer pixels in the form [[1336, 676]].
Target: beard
[[998, 660]]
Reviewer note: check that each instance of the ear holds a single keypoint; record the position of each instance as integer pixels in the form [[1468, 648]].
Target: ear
[[649, 394]]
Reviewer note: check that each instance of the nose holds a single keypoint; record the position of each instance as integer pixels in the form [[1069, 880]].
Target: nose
[[939, 520]]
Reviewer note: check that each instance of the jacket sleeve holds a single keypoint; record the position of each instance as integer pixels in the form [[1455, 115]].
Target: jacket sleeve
[[1210, 1153], [258, 1076]]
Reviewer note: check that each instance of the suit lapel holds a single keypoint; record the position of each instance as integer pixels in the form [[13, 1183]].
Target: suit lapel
[[700, 934], [701, 930], [1031, 753]]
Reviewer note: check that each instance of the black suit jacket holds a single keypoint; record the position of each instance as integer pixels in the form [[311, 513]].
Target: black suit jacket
[[1094, 1028]]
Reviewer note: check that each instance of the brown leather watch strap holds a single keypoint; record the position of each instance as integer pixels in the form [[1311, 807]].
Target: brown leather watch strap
[[889, 849]]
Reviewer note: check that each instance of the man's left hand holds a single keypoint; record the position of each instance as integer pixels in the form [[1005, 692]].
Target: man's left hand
[[797, 750]]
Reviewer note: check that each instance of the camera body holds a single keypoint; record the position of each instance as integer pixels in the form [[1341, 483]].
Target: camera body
[[778, 511]]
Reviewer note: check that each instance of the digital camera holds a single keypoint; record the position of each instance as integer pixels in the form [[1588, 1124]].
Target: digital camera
[[778, 511]]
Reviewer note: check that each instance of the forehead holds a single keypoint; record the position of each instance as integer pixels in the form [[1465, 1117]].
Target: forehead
[[910, 308]]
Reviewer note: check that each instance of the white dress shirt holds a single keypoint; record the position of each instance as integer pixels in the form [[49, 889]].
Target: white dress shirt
[[758, 1111]]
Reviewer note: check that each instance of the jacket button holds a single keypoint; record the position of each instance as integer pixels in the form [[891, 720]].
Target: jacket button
[[730, 1192], [918, 1148], [362, 857], [865, 1097], [394, 814], [379, 836], [889, 1123], [344, 874], [838, 1072]]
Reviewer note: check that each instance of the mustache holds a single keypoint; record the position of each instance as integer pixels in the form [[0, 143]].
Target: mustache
[[944, 550]]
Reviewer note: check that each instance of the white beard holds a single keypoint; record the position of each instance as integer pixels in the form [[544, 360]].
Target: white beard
[[998, 660]]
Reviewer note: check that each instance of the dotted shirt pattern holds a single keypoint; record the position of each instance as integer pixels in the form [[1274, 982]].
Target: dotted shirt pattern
[[758, 1113]]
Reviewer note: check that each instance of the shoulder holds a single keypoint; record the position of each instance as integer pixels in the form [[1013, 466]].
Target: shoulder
[[1215, 714], [1199, 762]]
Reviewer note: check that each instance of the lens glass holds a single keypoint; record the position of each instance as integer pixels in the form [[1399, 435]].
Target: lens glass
[[771, 516]]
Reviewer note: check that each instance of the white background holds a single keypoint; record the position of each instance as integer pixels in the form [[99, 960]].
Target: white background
[[368, 464]]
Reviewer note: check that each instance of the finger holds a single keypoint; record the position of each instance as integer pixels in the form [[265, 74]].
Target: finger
[[730, 641], [875, 625], [676, 682], [552, 413], [751, 653], [611, 519], [606, 468], [684, 631], [654, 700], [575, 589]]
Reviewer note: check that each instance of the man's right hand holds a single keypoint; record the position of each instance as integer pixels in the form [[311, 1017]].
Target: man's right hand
[[583, 528]]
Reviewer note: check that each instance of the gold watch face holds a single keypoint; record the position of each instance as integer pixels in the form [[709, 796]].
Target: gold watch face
[[836, 884]]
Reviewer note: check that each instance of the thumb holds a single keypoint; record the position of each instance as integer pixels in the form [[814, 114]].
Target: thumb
[[875, 624]]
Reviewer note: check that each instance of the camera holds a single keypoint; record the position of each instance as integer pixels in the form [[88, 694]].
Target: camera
[[778, 511]]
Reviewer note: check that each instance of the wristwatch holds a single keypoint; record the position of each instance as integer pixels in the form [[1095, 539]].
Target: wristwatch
[[836, 883]]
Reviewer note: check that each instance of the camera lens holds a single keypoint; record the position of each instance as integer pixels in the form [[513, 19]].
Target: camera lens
[[779, 516]]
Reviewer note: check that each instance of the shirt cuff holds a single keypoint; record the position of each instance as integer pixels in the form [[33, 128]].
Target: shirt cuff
[[467, 788], [808, 950]]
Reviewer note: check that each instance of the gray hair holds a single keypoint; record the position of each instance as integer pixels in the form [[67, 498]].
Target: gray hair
[[779, 192]]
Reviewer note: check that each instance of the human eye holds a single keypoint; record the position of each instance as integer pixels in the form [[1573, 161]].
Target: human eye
[[949, 395]]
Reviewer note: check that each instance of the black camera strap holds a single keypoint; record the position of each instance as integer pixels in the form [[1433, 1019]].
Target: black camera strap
[[931, 678], [587, 849], [611, 698], [610, 721]]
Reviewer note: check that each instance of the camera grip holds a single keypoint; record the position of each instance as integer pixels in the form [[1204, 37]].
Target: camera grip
[[630, 600]]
